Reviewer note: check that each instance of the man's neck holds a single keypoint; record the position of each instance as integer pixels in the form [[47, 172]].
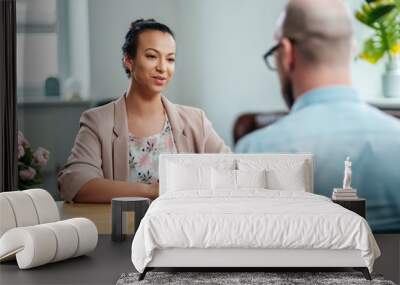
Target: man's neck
[[313, 79]]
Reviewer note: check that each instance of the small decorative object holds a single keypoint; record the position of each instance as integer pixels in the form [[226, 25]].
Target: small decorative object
[[345, 193], [383, 16], [31, 231], [72, 89], [347, 174], [30, 163], [52, 87]]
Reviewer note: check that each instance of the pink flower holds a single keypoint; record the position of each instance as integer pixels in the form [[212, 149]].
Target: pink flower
[[144, 160], [21, 151], [41, 156], [169, 143], [22, 140], [27, 174]]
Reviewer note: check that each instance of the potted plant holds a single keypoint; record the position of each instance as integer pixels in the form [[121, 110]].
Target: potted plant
[[30, 163], [383, 17]]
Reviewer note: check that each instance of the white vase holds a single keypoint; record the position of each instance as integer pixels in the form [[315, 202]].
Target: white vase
[[391, 78]]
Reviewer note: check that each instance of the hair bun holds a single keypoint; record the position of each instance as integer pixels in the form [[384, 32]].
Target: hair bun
[[135, 23], [138, 22]]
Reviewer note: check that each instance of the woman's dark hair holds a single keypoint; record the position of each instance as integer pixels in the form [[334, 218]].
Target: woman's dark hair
[[137, 27]]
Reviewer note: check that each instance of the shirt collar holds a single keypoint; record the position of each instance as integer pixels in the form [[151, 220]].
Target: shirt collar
[[330, 94]]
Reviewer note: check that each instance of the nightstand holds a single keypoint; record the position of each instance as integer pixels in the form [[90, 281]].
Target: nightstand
[[357, 205]]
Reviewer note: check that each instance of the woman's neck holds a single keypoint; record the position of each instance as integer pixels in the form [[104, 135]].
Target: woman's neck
[[139, 103]]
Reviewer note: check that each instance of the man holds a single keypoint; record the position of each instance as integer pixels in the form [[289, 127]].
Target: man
[[327, 117]]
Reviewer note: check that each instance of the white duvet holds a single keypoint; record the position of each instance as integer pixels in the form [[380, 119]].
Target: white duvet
[[250, 218]]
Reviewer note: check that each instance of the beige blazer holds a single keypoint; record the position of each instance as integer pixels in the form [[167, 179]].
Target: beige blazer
[[101, 145]]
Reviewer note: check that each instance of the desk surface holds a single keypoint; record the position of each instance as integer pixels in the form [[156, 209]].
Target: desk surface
[[99, 214], [102, 266]]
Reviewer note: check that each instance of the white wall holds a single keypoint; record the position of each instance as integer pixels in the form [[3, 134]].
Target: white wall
[[220, 65], [220, 44]]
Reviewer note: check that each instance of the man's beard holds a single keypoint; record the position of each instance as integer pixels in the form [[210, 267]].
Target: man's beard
[[287, 92]]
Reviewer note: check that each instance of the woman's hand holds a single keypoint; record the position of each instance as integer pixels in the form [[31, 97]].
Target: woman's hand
[[154, 190], [103, 190]]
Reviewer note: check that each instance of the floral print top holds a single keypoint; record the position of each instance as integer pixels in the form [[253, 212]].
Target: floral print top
[[144, 153]]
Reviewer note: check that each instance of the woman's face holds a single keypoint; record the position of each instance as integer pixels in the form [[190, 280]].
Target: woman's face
[[154, 63]]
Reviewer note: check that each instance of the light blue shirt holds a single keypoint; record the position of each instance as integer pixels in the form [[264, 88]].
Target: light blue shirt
[[333, 123]]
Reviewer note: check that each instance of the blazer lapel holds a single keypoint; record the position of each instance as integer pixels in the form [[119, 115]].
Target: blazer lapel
[[120, 143], [181, 135]]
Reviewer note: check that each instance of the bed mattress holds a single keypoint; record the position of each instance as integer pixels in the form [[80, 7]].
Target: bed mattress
[[250, 219]]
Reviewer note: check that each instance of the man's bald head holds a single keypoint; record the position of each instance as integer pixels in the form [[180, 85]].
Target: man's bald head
[[321, 30]]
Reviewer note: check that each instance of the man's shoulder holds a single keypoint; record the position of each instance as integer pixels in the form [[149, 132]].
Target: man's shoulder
[[382, 118], [316, 122]]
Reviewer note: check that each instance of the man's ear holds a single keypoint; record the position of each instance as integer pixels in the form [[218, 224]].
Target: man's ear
[[288, 55]]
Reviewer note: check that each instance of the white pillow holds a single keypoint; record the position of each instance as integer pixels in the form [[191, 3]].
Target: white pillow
[[251, 178], [187, 177], [279, 180], [282, 174], [236, 179], [223, 179]]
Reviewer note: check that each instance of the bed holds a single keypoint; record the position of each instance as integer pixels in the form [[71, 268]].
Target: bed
[[247, 211]]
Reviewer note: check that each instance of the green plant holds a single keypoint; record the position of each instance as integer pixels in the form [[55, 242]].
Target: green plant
[[383, 16]]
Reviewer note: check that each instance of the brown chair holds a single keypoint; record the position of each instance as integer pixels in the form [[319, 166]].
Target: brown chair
[[249, 122]]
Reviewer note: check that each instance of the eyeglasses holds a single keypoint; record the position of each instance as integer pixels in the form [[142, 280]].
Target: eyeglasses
[[269, 59]]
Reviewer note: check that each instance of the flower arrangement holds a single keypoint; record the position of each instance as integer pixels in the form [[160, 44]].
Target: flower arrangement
[[30, 163], [383, 17]]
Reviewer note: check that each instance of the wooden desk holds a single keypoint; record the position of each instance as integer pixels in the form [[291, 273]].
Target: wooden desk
[[99, 214]]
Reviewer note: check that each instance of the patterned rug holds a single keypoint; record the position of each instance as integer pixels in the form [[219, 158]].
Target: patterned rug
[[270, 278]]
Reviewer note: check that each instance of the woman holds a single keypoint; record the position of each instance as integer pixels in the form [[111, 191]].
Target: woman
[[117, 147]]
